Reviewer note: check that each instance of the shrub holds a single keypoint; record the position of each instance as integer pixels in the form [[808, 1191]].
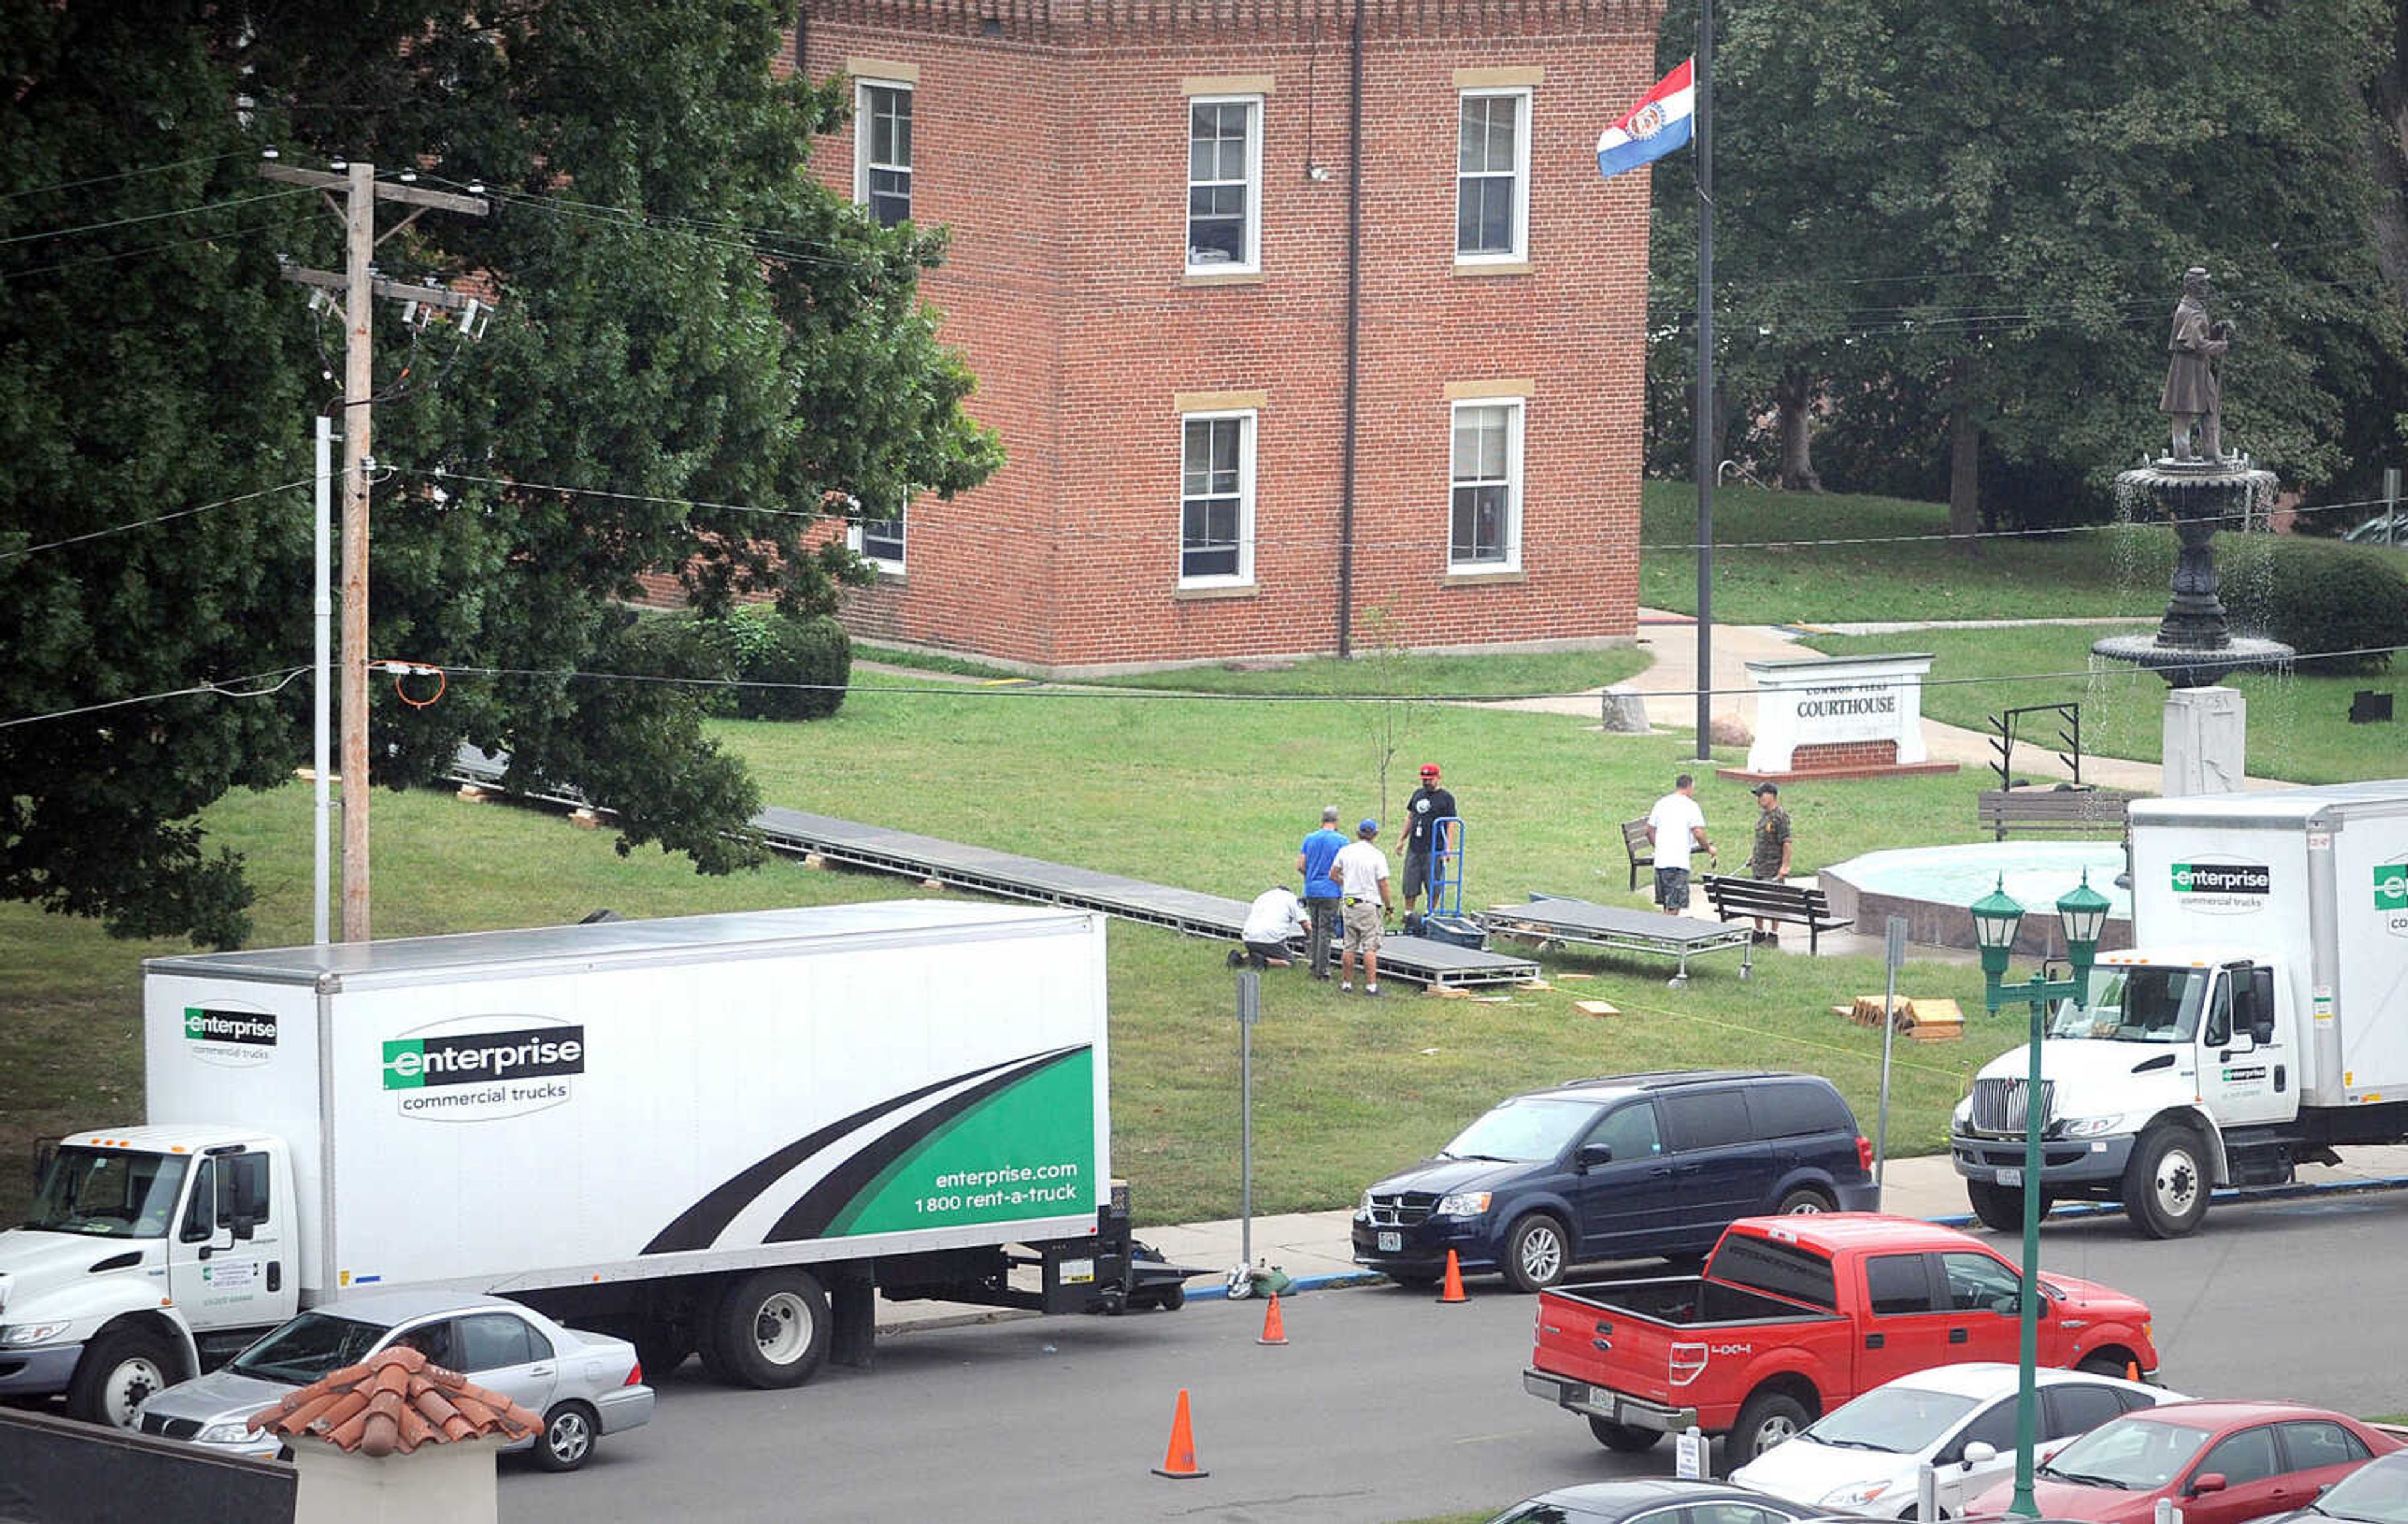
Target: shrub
[[771, 648], [676, 645], [2317, 595]]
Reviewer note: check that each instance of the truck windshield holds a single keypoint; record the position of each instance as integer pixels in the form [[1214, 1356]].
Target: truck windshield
[[108, 1193], [1524, 1131], [2136, 1004], [313, 1344]]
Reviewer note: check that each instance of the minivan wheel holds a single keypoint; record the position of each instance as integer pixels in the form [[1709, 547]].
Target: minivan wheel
[[1803, 1202], [1536, 1253]]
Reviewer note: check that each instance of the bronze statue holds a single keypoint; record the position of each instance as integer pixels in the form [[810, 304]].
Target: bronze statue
[[2194, 392]]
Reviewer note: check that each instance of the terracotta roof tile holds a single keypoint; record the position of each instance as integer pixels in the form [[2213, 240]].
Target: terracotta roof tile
[[396, 1400]]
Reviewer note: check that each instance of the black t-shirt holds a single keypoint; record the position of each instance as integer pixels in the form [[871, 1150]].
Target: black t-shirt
[[1427, 803]]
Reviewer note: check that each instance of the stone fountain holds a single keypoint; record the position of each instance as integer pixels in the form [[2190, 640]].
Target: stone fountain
[[2200, 490]]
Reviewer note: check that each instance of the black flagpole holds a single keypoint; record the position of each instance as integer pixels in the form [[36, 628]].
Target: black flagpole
[[1703, 81]]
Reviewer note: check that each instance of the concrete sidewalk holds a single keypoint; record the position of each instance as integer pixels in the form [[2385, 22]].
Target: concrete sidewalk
[[1316, 1248]]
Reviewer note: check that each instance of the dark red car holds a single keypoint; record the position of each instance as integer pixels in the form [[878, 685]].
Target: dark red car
[[2220, 1462]]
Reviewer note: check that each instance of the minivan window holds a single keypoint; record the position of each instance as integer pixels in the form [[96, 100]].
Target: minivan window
[[1705, 1119], [1785, 1269], [1791, 1108], [1629, 1131], [1523, 1131]]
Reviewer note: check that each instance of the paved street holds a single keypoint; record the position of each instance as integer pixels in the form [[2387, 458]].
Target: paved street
[[1383, 1405]]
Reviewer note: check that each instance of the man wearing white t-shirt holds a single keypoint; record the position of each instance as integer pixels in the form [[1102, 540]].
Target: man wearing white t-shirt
[[1362, 873], [1276, 916], [1676, 828]]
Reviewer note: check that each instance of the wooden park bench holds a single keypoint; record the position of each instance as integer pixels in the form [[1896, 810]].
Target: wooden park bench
[[1735, 898], [1642, 850], [2092, 810]]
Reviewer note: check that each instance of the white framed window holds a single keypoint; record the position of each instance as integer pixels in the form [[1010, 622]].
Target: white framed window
[[878, 541], [1224, 184], [1485, 531], [1216, 498], [1492, 177], [881, 149]]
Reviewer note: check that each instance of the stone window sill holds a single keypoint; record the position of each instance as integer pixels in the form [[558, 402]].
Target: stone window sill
[[1499, 577], [1206, 596]]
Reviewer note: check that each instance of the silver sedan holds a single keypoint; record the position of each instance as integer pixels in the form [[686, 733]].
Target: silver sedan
[[584, 1385]]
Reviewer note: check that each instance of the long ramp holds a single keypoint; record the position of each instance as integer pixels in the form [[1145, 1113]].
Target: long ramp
[[1009, 875]]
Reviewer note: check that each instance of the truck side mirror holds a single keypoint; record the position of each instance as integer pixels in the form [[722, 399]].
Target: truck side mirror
[[45, 1149], [1594, 1153], [2245, 1012]]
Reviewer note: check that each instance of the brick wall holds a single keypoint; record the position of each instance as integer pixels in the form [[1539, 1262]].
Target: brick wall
[[1056, 151], [1832, 756]]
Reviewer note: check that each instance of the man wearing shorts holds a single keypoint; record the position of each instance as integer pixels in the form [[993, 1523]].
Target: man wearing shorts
[[1362, 871], [1676, 828]]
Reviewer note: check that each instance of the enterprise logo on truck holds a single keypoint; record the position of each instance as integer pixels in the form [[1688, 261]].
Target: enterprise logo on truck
[[2391, 896], [486, 1071], [230, 1036], [2224, 889]]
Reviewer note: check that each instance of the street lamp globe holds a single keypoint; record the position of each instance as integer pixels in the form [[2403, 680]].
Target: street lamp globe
[[2082, 913], [1996, 920]]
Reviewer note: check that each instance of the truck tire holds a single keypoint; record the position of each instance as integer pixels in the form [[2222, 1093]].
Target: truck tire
[[2166, 1185], [1622, 1437], [661, 1346], [1536, 1253], [568, 1438], [118, 1369], [771, 1329], [2000, 1207], [1765, 1420], [2106, 1362]]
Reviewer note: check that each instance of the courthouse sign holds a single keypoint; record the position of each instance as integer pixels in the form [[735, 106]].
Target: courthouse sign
[[1852, 714]]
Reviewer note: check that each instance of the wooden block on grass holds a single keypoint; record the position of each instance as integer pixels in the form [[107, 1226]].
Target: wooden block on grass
[[1596, 1007], [1532, 984], [1561, 977]]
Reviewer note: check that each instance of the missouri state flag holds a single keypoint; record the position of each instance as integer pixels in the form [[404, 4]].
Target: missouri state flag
[[1654, 127]]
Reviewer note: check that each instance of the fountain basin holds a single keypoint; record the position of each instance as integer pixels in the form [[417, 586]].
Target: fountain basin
[[1933, 886], [2194, 666]]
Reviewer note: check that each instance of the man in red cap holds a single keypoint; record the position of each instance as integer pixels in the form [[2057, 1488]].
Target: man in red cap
[[1428, 806]]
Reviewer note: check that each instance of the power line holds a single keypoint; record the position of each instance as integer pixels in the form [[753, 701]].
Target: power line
[[152, 216], [281, 677], [125, 174], [227, 236], [160, 518]]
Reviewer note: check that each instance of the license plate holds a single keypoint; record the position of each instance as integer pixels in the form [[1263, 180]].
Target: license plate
[[2010, 1177], [1392, 1243]]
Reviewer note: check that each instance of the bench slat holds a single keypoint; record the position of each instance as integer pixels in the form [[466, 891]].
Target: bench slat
[[1770, 899]]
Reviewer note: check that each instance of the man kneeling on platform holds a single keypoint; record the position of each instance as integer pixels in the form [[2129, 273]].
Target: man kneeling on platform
[[1275, 916]]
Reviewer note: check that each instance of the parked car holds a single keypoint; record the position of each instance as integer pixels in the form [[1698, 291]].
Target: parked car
[[2383, 529], [1616, 1168], [2220, 1462], [584, 1385], [2374, 1493], [1652, 1499], [1866, 1455]]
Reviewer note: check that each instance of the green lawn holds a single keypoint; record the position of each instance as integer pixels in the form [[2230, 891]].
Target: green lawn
[[2299, 726], [1211, 794], [1765, 573]]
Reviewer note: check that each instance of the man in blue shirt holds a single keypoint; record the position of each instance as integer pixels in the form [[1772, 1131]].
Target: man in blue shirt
[[1313, 860]]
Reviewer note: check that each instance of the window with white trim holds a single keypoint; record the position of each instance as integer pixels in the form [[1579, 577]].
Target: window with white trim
[[1492, 177], [879, 541], [1485, 531], [1216, 500], [882, 151], [1224, 184]]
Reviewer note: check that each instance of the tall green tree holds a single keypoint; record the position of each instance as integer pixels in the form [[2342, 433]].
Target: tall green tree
[[700, 353], [1972, 219]]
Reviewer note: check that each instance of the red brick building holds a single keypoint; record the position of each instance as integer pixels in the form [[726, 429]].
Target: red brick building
[[1162, 276]]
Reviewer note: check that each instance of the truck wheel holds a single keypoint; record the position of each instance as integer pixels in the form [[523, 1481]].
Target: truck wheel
[[1767, 1418], [1171, 1298], [1803, 1202], [2001, 1207], [2166, 1186], [1535, 1253], [772, 1329], [567, 1437], [660, 1348], [2104, 1363], [1622, 1437], [118, 1369]]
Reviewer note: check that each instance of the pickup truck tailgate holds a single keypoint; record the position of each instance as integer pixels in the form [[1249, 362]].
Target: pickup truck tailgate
[[1646, 1338]]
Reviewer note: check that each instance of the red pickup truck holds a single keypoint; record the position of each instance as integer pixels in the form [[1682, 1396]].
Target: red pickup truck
[[1795, 1316]]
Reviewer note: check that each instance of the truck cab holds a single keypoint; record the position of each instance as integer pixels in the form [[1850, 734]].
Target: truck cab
[[149, 1254], [2179, 1073]]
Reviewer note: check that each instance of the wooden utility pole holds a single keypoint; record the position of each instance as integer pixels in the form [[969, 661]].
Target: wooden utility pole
[[360, 284]]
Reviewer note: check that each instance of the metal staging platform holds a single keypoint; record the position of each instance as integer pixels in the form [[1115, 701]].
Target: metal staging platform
[[1007, 876], [1555, 918]]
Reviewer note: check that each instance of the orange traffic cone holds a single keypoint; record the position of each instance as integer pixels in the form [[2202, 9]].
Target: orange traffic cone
[[1274, 1332], [1452, 1288], [1179, 1461], [2131, 1370]]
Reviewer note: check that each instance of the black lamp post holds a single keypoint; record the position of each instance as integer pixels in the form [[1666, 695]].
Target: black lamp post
[[2082, 916]]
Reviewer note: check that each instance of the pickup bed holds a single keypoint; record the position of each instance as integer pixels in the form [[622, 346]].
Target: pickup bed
[[1795, 1316]]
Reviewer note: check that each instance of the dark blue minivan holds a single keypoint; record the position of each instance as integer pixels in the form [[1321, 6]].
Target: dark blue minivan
[[1617, 1168]]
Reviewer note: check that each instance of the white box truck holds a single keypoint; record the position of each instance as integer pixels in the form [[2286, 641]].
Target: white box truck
[[2260, 1022], [721, 1134]]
